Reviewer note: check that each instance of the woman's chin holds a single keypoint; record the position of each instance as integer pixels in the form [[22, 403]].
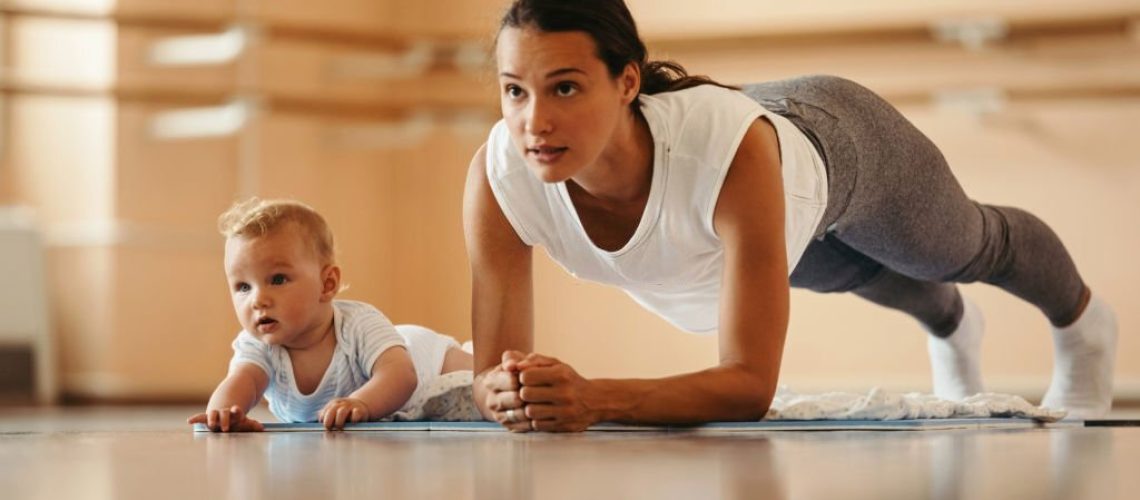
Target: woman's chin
[[549, 174]]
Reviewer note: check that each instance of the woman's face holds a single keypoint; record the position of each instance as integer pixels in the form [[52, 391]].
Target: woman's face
[[559, 100]]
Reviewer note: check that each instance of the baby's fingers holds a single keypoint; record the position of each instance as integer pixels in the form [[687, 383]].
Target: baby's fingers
[[342, 414], [198, 418], [224, 420], [358, 415], [212, 420], [237, 413]]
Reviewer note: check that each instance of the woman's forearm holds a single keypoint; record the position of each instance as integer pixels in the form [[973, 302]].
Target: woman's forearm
[[722, 393]]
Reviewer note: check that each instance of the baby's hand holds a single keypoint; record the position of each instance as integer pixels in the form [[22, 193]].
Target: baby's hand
[[341, 410], [232, 420]]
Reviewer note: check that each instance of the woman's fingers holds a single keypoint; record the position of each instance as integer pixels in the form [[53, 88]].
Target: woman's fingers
[[501, 380], [541, 411], [502, 401], [535, 360], [544, 375], [510, 359], [514, 420], [542, 394]]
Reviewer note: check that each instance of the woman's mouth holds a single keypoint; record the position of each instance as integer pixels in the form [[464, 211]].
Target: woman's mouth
[[546, 154]]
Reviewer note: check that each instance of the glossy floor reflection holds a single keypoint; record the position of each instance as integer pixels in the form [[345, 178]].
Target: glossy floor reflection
[[122, 453]]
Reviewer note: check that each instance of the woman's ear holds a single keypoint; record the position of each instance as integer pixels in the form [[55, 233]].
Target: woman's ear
[[629, 82], [330, 282]]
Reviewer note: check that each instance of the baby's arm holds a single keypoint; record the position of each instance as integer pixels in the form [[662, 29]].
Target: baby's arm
[[392, 384], [232, 400]]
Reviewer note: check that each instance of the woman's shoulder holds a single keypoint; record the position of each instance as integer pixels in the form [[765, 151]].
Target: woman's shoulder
[[699, 121], [705, 98]]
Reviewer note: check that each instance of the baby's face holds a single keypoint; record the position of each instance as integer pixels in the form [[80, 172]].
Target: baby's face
[[275, 282]]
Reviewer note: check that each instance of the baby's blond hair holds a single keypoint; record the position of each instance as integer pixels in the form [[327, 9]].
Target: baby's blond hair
[[256, 217]]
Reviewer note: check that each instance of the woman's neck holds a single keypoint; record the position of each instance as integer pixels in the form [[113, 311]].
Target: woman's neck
[[624, 171]]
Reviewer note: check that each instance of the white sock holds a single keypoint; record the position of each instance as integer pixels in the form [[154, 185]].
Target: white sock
[[955, 361], [1083, 357]]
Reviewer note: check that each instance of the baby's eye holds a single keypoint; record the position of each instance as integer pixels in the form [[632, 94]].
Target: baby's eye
[[241, 287], [566, 89], [278, 279]]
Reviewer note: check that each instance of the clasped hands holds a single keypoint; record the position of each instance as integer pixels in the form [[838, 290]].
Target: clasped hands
[[532, 392]]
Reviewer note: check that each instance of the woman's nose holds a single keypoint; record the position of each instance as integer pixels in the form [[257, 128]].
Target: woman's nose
[[538, 118]]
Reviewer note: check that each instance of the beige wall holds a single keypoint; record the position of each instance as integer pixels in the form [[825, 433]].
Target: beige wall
[[135, 263]]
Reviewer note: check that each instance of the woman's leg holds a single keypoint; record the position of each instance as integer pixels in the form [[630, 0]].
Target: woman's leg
[[905, 210], [955, 325]]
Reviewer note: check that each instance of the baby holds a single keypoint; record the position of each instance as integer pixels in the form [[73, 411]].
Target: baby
[[314, 358]]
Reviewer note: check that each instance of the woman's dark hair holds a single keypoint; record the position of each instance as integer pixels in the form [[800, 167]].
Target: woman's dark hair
[[611, 26]]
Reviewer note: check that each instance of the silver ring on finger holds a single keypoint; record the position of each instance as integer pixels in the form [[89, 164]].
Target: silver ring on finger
[[511, 417]]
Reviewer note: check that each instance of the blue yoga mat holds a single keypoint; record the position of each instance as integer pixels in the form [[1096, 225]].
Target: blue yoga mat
[[714, 427]]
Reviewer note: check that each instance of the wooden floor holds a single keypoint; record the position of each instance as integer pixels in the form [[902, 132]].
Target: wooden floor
[[127, 453]]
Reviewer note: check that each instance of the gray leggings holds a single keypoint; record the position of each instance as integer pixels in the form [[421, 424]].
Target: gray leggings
[[898, 229]]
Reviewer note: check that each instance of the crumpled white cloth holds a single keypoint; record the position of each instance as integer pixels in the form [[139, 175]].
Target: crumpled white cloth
[[878, 404], [449, 398]]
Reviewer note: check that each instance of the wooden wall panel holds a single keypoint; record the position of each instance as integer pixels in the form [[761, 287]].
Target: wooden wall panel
[[1106, 61], [307, 158], [680, 19], [148, 9]]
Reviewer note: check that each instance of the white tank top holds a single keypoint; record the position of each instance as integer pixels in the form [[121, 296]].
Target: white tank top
[[673, 263]]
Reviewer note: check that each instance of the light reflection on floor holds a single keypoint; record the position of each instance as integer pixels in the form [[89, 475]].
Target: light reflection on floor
[[148, 453]]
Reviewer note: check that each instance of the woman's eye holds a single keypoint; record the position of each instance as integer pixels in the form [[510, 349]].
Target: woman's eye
[[278, 279], [241, 287], [513, 91], [566, 89]]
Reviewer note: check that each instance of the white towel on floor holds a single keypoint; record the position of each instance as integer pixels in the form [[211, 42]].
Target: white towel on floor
[[878, 404], [450, 399]]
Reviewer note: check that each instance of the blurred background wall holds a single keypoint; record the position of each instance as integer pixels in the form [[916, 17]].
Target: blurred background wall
[[129, 125]]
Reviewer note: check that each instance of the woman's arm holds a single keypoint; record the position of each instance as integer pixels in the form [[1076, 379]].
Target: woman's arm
[[502, 310], [749, 219]]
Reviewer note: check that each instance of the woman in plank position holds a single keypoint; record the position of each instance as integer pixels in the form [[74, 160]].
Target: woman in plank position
[[705, 203]]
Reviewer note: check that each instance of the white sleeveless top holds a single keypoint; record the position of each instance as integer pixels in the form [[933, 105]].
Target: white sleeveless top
[[673, 263]]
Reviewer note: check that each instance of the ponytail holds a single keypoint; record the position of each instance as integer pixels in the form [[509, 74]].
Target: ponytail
[[669, 76]]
